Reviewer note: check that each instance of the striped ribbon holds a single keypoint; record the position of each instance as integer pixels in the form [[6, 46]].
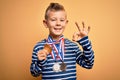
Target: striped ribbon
[[58, 51]]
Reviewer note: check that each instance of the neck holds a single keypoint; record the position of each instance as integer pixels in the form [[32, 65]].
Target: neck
[[55, 37]]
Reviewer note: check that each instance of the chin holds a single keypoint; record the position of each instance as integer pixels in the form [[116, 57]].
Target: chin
[[58, 33]]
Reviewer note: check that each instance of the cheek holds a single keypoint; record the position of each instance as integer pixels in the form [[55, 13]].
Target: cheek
[[51, 29], [65, 23], [51, 23]]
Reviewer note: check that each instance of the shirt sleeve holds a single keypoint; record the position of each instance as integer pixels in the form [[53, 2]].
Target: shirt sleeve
[[85, 58], [36, 65]]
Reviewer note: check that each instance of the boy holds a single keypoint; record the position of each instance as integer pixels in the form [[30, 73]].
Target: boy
[[56, 57]]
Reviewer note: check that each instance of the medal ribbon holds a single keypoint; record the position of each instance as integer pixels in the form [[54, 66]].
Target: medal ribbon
[[60, 50]]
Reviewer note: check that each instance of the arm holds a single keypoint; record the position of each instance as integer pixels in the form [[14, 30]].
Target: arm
[[85, 58], [36, 65]]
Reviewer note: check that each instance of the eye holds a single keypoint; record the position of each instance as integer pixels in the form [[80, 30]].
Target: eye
[[62, 20], [53, 19]]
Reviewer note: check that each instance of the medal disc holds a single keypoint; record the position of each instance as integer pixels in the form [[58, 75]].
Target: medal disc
[[56, 67], [63, 66], [48, 48]]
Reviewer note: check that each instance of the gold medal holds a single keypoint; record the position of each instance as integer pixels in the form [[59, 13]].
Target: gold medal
[[48, 48]]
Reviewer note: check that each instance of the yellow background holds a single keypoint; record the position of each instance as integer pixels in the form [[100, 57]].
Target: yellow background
[[21, 28]]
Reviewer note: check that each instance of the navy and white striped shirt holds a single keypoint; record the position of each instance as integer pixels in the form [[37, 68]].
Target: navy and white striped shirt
[[72, 55]]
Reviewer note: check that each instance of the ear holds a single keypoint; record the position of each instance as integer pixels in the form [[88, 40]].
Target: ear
[[67, 22], [45, 23]]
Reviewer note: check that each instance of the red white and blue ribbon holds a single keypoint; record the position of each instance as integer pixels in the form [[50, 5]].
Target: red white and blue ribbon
[[58, 51]]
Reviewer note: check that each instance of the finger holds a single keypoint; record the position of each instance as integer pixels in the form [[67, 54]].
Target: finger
[[45, 51], [41, 56], [77, 26], [44, 56], [75, 36], [88, 29], [83, 25]]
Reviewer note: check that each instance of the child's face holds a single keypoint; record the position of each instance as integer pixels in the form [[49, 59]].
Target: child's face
[[56, 22]]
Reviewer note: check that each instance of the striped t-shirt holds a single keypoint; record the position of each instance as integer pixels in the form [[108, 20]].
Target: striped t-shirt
[[72, 55]]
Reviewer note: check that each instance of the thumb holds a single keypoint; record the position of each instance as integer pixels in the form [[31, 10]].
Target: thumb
[[75, 36]]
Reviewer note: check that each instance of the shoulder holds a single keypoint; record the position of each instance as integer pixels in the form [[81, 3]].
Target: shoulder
[[39, 45], [41, 42], [70, 43]]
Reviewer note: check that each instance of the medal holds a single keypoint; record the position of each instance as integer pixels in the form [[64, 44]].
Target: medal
[[57, 52], [56, 67], [63, 66], [48, 48]]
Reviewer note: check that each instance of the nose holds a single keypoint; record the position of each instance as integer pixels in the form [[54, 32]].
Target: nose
[[58, 23]]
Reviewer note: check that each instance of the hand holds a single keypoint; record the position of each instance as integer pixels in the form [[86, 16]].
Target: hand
[[42, 54], [82, 32]]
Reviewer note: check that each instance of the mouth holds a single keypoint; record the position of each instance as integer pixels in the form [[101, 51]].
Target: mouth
[[57, 28]]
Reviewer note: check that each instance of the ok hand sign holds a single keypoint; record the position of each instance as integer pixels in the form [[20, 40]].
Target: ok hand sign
[[81, 32]]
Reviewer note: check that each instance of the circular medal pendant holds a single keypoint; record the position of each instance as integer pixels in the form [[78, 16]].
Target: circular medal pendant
[[63, 66], [56, 67], [48, 48]]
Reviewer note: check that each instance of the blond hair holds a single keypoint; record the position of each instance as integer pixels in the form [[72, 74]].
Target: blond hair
[[53, 7]]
